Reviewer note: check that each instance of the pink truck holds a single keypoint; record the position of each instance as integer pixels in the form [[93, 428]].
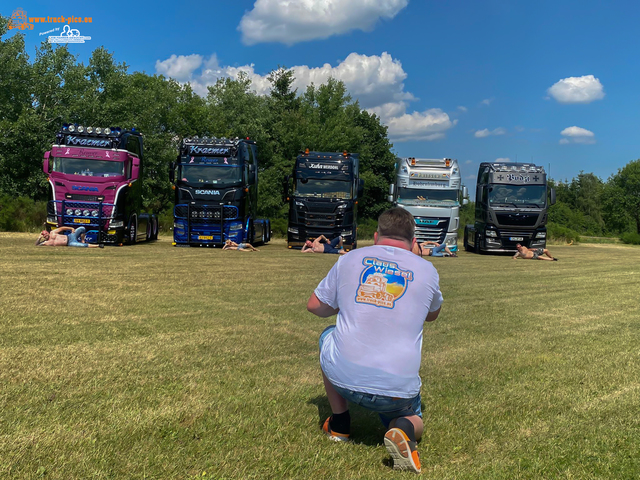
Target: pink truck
[[96, 182]]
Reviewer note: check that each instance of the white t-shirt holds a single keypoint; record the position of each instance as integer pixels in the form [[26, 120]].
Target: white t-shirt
[[384, 295]]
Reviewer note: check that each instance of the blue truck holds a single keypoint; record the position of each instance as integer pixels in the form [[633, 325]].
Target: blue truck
[[216, 193]]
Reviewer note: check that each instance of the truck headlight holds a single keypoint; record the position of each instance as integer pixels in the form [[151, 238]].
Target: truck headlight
[[51, 219], [541, 235], [491, 233], [292, 230], [299, 204], [116, 224], [347, 233]]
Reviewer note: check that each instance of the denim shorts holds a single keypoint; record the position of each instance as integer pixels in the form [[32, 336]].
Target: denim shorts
[[73, 239], [387, 408]]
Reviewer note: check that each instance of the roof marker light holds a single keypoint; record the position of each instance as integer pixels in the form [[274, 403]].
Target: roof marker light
[[80, 129], [306, 151], [413, 161], [72, 128], [447, 162]]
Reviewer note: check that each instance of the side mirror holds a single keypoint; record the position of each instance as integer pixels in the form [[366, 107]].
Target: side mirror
[[553, 196], [390, 199], [465, 195], [465, 201], [360, 188], [252, 168], [392, 188], [172, 172], [46, 168]]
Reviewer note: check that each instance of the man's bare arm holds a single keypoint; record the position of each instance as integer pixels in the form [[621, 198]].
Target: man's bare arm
[[320, 309], [431, 316]]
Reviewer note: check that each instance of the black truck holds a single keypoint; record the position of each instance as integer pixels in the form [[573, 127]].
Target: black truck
[[216, 193], [511, 207], [323, 194]]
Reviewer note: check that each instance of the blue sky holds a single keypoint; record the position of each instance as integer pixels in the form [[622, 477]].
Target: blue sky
[[553, 82]]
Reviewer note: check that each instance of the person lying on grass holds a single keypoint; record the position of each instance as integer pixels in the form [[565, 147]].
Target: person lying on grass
[[382, 296], [322, 244], [243, 247], [56, 238], [533, 253], [439, 250]]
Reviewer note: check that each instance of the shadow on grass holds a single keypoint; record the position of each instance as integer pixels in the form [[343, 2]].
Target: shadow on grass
[[366, 427]]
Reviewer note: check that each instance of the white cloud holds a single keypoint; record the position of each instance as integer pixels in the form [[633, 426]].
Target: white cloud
[[486, 132], [375, 81], [486, 101], [584, 89], [468, 162], [428, 125], [502, 160], [577, 135], [179, 67], [293, 21], [463, 109], [519, 128]]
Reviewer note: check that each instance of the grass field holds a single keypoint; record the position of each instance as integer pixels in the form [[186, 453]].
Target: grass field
[[159, 362]]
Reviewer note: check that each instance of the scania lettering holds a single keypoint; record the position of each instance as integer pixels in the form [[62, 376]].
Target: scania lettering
[[511, 208], [99, 185], [431, 190], [323, 194], [216, 193]]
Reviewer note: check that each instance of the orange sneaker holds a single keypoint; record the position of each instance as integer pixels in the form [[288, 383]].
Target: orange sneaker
[[404, 451], [335, 436]]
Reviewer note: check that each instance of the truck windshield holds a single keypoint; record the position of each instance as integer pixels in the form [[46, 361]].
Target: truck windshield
[[418, 196], [88, 167], [519, 195], [215, 174], [313, 187]]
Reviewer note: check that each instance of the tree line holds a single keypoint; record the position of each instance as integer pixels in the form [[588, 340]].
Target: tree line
[[38, 95]]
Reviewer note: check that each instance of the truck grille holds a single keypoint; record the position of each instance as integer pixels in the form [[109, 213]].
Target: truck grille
[[81, 214], [431, 228], [517, 219], [205, 214]]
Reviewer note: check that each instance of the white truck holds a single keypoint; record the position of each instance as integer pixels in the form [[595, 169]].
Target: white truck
[[431, 190]]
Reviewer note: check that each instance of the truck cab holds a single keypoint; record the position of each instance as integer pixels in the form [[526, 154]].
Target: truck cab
[[511, 207], [95, 176], [431, 190], [216, 193], [323, 193]]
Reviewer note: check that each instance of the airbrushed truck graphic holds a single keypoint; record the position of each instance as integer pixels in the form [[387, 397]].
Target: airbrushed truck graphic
[[95, 176], [216, 187], [430, 189], [511, 208]]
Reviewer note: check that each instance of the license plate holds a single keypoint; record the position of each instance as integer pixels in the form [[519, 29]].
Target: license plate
[[516, 239], [205, 237], [81, 220]]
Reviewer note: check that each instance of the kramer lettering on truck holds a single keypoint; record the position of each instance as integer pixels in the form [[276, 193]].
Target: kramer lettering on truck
[[95, 176]]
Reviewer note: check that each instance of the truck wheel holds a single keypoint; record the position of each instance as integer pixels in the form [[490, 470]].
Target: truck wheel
[[268, 229], [133, 229], [467, 248], [154, 230], [477, 243]]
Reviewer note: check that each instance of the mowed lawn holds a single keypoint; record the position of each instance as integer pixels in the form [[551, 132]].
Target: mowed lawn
[[159, 362]]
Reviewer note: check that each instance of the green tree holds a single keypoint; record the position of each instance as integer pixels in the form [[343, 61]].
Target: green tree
[[622, 198]]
